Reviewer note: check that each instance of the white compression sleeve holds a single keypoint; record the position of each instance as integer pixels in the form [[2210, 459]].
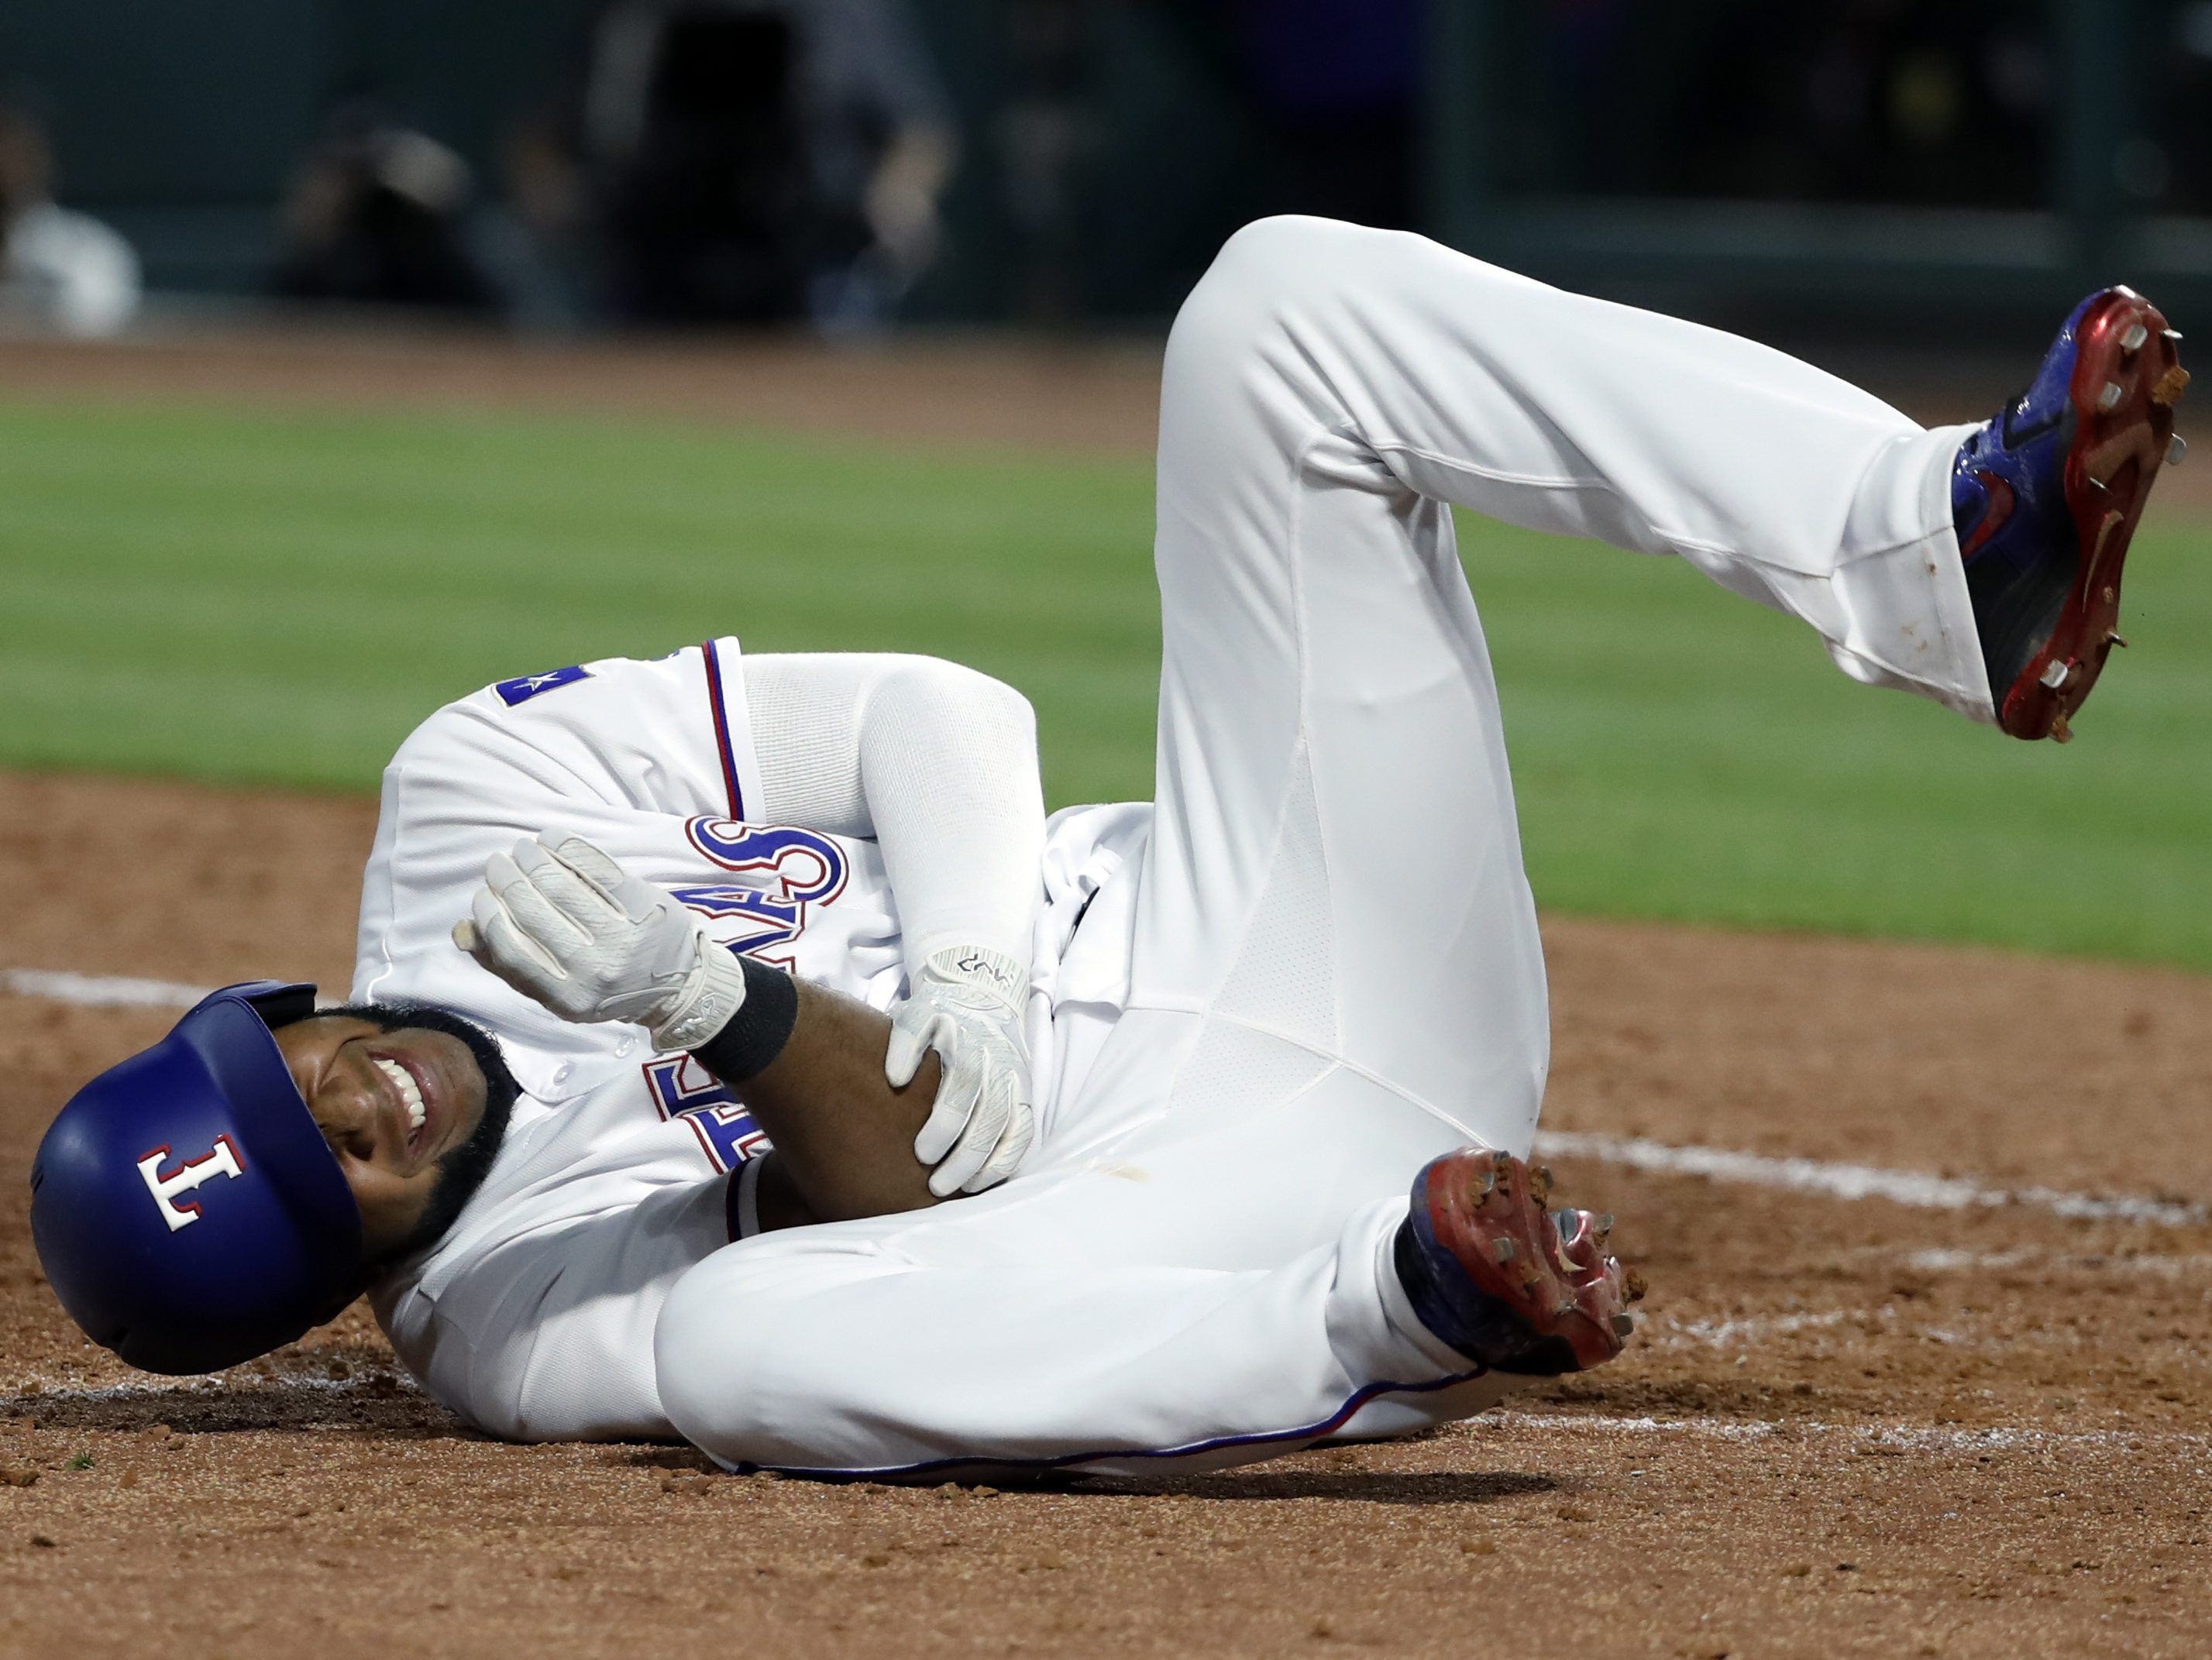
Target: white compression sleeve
[[936, 762]]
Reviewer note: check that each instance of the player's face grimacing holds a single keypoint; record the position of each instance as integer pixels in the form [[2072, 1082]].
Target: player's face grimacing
[[413, 1100]]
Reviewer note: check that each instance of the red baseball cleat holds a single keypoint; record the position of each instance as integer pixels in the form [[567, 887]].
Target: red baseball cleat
[[2046, 497], [1506, 1284]]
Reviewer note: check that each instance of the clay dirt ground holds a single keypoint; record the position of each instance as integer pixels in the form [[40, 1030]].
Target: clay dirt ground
[[1848, 1426]]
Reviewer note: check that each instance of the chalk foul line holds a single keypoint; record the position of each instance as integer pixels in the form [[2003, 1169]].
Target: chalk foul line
[[29, 1396], [1859, 1181], [98, 991], [1895, 1436], [1914, 1188]]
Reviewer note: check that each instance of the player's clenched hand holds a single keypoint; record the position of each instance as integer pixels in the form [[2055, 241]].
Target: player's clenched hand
[[967, 1006], [566, 925]]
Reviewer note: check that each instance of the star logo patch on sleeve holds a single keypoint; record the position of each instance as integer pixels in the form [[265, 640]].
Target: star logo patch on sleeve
[[521, 690]]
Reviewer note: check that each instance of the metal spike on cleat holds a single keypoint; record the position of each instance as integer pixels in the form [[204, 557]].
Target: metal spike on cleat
[[1623, 1326], [1506, 1250], [2132, 340], [2056, 674], [2177, 451], [1540, 1181], [2117, 639], [2109, 399]]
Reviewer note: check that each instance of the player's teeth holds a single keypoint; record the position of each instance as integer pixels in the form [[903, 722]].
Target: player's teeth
[[409, 1095]]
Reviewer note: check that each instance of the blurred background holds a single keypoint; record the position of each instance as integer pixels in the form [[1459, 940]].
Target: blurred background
[[593, 164], [356, 353]]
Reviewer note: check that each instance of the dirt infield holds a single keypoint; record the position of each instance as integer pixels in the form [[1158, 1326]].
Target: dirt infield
[[1081, 396], [1095, 398], [1850, 1426]]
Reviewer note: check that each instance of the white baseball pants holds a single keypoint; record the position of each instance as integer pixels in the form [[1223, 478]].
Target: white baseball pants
[[1335, 973]]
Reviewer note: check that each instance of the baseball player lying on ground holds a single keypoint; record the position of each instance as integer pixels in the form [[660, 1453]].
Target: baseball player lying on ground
[[1121, 1180]]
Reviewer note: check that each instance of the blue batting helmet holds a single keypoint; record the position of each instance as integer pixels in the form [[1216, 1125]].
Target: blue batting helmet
[[186, 1208]]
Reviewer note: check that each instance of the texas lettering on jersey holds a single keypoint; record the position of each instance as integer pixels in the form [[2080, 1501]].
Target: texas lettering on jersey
[[681, 1088], [801, 868]]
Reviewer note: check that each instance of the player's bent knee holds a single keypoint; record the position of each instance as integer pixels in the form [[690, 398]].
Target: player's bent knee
[[1287, 258], [1268, 274], [1258, 270], [1289, 249]]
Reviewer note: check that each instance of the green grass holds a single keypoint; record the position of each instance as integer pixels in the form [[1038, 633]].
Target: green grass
[[278, 597]]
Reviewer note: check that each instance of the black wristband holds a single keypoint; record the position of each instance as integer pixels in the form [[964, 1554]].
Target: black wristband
[[748, 1044]]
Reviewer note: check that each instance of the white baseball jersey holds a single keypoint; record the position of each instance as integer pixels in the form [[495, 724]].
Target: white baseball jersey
[[534, 1316]]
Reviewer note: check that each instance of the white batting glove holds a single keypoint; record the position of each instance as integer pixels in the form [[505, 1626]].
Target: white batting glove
[[967, 1006], [569, 927]]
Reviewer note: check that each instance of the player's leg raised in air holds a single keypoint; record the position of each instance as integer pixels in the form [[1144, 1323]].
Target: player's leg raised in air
[[1336, 978]]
